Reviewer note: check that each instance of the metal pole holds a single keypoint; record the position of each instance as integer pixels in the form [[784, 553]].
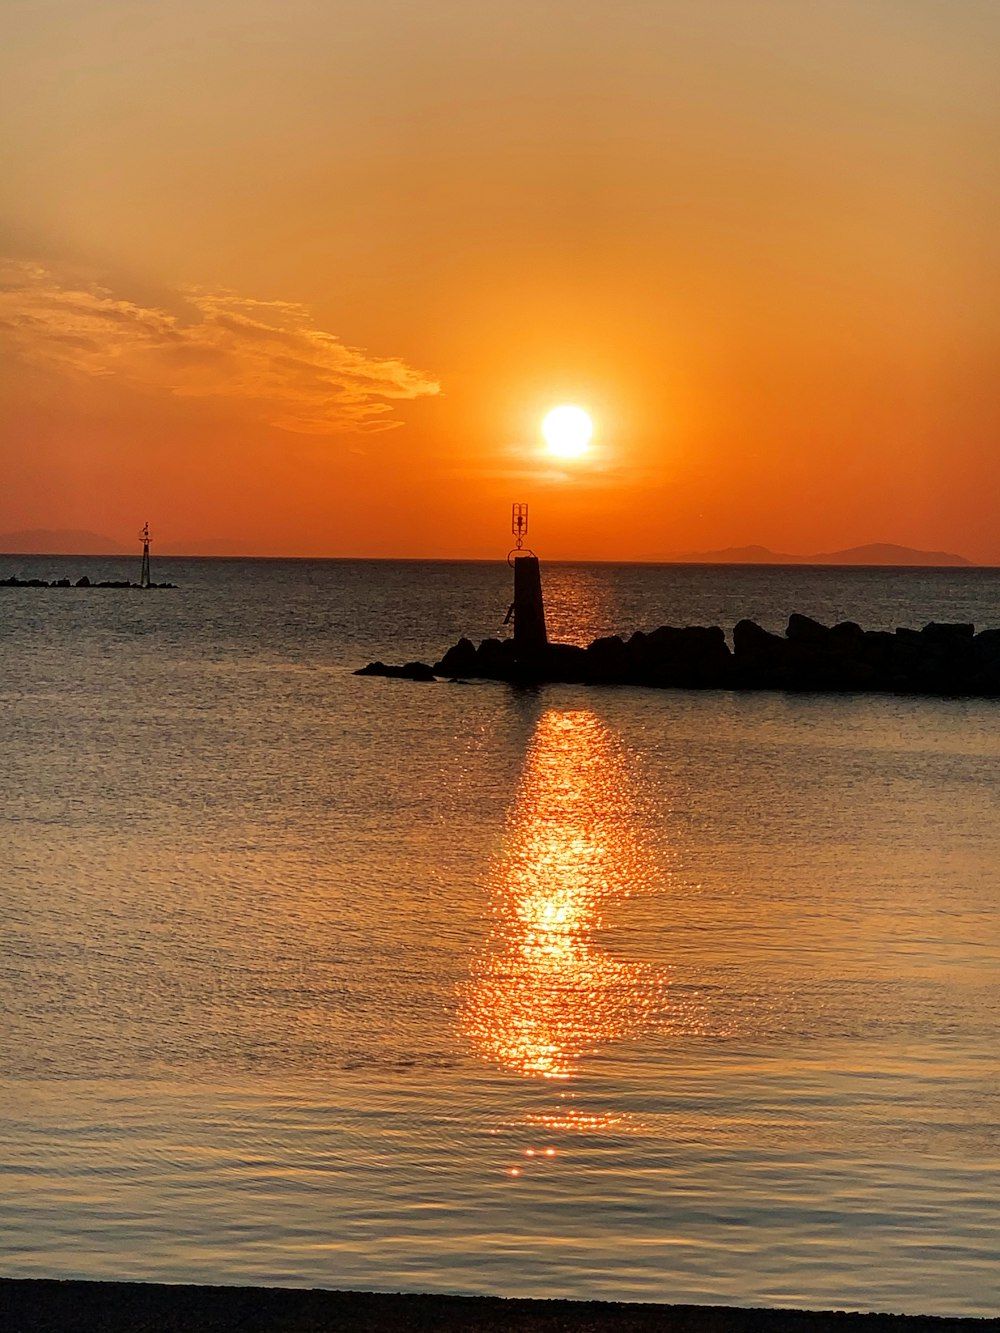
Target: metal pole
[[144, 572]]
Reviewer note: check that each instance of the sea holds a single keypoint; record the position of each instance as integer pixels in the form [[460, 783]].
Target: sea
[[318, 980]]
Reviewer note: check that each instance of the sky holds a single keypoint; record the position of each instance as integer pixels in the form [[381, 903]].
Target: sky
[[302, 278]]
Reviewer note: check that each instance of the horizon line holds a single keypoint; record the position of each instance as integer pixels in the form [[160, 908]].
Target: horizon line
[[799, 562]]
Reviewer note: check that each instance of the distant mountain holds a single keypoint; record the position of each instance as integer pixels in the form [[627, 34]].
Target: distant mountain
[[737, 555], [59, 541], [885, 553], [877, 553]]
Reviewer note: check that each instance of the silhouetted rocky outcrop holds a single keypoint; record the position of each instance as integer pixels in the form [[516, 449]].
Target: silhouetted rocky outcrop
[[409, 671], [84, 582], [940, 659]]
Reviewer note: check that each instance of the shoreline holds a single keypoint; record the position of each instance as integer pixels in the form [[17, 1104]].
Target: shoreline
[[51, 1305]]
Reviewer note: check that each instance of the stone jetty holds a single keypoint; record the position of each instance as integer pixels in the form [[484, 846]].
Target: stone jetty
[[84, 582], [940, 659]]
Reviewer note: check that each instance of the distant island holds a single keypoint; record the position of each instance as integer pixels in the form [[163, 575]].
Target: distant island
[[876, 553], [72, 541]]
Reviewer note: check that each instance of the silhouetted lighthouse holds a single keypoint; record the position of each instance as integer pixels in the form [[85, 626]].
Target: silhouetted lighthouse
[[528, 608]]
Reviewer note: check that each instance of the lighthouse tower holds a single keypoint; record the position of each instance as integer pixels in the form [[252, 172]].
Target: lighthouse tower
[[528, 608]]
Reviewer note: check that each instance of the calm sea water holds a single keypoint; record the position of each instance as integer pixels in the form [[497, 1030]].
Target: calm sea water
[[324, 980]]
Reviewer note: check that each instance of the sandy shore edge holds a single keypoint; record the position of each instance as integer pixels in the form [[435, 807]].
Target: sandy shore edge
[[37, 1305]]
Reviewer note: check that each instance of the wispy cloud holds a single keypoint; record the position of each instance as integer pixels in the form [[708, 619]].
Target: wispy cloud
[[519, 464], [265, 357]]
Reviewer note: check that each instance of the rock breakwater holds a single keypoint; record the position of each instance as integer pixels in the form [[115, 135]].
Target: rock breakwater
[[85, 582], [940, 659]]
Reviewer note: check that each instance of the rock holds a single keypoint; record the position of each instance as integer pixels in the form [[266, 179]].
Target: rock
[[609, 661], [83, 583], [846, 635], [841, 659], [500, 659], [986, 645], [940, 659], [409, 671], [751, 642], [811, 656], [565, 662], [459, 660], [494, 658], [695, 656], [984, 672], [936, 632], [803, 629], [417, 671], [880, 641], [762, 658]]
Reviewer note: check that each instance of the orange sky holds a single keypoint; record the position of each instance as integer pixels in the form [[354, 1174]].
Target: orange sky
[[302, 278]]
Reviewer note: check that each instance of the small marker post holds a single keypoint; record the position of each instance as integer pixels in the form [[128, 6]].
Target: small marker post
[[144, 571]]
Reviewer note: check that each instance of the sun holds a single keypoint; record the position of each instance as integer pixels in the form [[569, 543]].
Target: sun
[[567, 431]]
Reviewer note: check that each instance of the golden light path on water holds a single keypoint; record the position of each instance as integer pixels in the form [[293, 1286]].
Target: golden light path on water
[[544, 994]]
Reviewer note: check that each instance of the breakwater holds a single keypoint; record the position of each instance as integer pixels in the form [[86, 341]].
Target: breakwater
[[940, 659], [84, 582]]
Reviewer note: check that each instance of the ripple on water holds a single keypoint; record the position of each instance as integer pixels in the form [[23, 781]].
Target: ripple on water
[[317, 980]]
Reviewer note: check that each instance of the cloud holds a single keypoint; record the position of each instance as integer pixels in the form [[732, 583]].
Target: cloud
[[267, 358]]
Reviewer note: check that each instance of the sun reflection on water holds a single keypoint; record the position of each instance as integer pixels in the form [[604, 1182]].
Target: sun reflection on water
[[543, 994]]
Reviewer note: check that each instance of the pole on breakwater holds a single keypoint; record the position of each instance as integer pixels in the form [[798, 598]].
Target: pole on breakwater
[[528, 608], [144, 570]]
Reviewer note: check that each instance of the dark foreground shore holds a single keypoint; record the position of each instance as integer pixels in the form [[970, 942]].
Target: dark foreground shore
[[43, 1306]]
